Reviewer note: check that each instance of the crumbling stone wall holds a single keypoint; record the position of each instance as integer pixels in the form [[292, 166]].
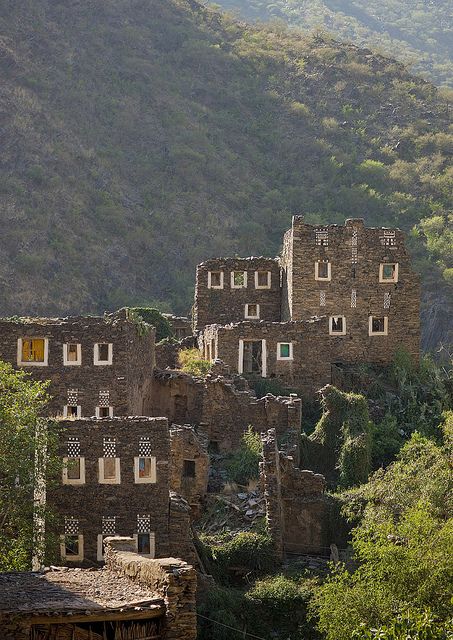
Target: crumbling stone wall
[[180, 532], [296, 505], [128, 379], [189, 466], [228, 304], [174, 580], [89, 502], [223, 407], [167, 351]]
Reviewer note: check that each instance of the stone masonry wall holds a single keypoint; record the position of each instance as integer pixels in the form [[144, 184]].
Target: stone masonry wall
[[228, 304], [127, 379], [296, 505], [90, 501], [189, 466], [354, 291], [172, 579]]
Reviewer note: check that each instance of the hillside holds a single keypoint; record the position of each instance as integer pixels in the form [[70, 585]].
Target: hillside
[[418, 32], [140, 137]]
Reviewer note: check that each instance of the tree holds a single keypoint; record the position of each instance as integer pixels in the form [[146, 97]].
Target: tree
[[25, 444]]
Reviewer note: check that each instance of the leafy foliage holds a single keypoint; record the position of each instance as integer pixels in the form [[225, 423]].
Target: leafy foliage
[[413, 625], [243, 465], [23, 437], [193, 149], [155, 318], [191, 361]]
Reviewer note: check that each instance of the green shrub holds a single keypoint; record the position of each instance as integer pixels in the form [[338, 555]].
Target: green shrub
[[412, 625], [263, 386], [243, 465], [191, 361], [155, 318], [251, 551]]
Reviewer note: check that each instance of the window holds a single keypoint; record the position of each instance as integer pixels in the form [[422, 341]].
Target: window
[[145, 470], [103, 353], [263, 279], [284, 350], [72, 411], [188, 470], [72, 354], [32, 352], [104, 412], [215, 279], [337, 326], [73, 470], [239, 279], [143, 543], [252, 311], [252, 357], [378, 326], [71, 547], [388, 272], [109, 471], [323, 270]]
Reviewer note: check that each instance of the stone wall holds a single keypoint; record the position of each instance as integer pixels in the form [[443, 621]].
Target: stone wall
[[189, 466], [227, 304], [172, 579], [223, 407], [180, 531], [296, 506], [127, 380], [87, 503]]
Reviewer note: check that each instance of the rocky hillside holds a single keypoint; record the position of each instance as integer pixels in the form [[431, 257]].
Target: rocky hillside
[[140, 137], [417, 32]]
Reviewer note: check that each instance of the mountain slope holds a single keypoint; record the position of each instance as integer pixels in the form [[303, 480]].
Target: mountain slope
[[417, 32], [140, 137]]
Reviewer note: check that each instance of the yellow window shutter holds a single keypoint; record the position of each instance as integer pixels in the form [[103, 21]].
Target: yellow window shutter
[[26, 350], [38, 350]]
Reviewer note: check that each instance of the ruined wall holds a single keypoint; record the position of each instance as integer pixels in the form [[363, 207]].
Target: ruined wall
[[296, 505], [167, 351], [180, 532], [189, 466], [89, 502], [127, 380], [175, 581], [226, 303], [354, 254]]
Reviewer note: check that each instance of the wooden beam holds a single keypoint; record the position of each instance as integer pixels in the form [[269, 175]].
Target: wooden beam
[[99, 616]]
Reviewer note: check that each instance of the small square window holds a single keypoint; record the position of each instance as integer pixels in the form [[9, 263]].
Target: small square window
[[323, 270], [378, 326], [263, 279], [145, 469], [188, 470], [239, 279], [143, 543], [252, 311], [388, 272], [103, 353], [104, 412], [72, 411], [32, 352], [109, 471], [71, 547], [284, 350], [337, 325], [72, 354], [73, 470], [215, 279]]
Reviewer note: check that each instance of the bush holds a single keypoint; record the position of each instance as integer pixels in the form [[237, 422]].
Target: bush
[[191, 361], [155, 318], [244, 463], [251, 551], [413, 625]]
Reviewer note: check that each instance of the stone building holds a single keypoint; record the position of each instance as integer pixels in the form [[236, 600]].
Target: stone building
[[189, 466], [338, 295], [116, 481], [132, 596], [98, 366]]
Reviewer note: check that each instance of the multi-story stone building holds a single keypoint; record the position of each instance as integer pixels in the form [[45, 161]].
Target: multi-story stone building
[[98, 366], [338, 294]]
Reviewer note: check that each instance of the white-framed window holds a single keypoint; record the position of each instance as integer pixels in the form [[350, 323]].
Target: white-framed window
[[263, 279], [104, 412], [337, 326], [239, 279], [109, 471], [215, 279], [388, 272], [71, 547], [108, 529], [252, 311], [323, 270], [378, 325], [32, 352], [103, 353], [73, 470], [146, 544], [145, 470], [72, 354], [72, 411], [284, 350]]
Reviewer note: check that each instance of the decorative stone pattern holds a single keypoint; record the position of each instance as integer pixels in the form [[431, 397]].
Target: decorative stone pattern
[[127, 380], [228, 304], [296, 505], [189, 480]]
